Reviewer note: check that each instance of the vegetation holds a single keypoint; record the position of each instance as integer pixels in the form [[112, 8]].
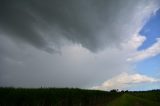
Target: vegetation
[[76, 97], [54, 97]]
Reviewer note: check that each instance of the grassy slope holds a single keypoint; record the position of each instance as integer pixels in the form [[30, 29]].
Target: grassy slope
[[130, 100]]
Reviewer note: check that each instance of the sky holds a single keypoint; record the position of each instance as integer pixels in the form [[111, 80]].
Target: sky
[[93, 44]]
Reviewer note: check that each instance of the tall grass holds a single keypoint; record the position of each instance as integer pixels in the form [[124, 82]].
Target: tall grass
[[54, 97], [76, 97]]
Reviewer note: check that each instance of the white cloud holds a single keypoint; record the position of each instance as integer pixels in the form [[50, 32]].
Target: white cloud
[[134, 42], [124, 80], [147, 53]]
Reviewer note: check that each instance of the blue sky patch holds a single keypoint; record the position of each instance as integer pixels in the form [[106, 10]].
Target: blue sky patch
[[149, 66], [151, 31]]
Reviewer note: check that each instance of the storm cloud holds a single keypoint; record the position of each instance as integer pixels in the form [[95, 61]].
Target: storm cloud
[[68, 43], [94, 24]]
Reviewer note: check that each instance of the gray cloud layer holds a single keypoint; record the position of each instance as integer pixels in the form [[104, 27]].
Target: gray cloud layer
[[29, 28], [93, 23]]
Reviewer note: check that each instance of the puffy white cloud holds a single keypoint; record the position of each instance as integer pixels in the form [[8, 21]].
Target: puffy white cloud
[[124, 80]]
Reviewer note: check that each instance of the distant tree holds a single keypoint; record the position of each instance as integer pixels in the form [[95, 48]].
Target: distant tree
[[114, 90], [122, 91], [126, 91]]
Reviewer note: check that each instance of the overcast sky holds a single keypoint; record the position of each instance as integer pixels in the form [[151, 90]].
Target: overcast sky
[[93, 44]]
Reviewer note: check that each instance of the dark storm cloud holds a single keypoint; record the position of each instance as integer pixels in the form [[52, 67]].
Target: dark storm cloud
[[90, 23], [77, 27], [17, 22]]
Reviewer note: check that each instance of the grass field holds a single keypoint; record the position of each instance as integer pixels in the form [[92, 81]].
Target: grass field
[[76, 97], [130, 100]]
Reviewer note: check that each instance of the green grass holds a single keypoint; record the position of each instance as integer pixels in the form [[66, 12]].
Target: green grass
[[54, 97], [76, 97], [149, 95], [130, 100]]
